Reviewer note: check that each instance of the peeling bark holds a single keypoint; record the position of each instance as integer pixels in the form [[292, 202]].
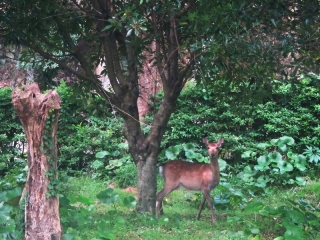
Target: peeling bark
[[39, 115]]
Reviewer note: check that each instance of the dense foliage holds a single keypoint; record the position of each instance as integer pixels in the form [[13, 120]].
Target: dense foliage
[[292, 109], [255, 140], [12, 139], [84, 129], [90, 144], [244, 43]]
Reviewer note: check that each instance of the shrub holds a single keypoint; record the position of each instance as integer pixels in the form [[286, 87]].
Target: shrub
[[126, 175], [86, 127], [12, 138], [291, 109]]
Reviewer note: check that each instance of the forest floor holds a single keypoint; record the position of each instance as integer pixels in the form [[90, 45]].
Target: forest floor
[[278, 212]]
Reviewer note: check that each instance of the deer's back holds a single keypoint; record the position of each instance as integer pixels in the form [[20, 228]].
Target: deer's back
[[192, 176]]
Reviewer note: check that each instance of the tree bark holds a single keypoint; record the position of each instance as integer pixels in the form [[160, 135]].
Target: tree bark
[[147, 184], [39, 115], [145, 149]]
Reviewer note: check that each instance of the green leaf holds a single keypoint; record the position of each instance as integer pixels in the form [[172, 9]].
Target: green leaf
[[106, 27], [116, 163], [292, 155], [301, 181], [283, 147], [284, 166], [286, 140], [116, 153], [129, 32], [85, 200], [5, 212], [300, 166], [233, 219], [129, 201], [188, 147], [69, 236], [102, 154], [96, 164], [270, 211], [123, 145], [8, 226], [11, 197], [172, 152], [262, 161], [222, 199], [108, 196], [248, 154], [294, 234], [302, 158], [222, 164], [143, 29], [261, 168], [263, 164], [193, 155], [255, 231], [262, 181], [263, 146], [253, 207], [274, 156], [107, 235], [274, 142], [293, 217], [119, 221]]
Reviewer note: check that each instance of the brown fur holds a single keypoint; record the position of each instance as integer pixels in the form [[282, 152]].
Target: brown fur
[[192, 176]]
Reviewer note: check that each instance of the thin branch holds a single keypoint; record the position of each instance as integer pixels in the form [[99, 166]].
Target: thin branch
[[63, 65], [158, 53], [109, 65], [116, 61]]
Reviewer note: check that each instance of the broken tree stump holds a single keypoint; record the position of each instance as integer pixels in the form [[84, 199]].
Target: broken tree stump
[[39, 115]]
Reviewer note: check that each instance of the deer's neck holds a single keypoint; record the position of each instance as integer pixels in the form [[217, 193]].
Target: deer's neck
[[215, 164]]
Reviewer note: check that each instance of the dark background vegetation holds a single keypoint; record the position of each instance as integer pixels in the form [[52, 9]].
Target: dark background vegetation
[[91, 146], [292, 109]]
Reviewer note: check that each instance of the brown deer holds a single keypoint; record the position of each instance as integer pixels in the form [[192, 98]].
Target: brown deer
[[192, 176]]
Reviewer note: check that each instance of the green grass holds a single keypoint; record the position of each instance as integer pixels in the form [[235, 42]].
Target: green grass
[[180, 209]]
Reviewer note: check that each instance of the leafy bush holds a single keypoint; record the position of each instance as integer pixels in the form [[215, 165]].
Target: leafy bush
[[77, 213], [290, 108], [274, 163], [12, 138], [298, 218], [11, 216], [126, 175], [86, 127], [313, 153]]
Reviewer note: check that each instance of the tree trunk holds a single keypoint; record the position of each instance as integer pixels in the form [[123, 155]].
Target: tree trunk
[[147, 184], [39, 115], [145, 149]]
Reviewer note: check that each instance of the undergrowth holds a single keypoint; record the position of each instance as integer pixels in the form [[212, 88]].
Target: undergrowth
[[113, 212]]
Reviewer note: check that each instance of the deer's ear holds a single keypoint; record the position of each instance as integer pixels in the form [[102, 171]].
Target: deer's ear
[[205, 141], [221, 141]]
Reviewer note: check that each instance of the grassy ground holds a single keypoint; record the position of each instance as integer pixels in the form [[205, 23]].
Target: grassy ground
[[180, 211]]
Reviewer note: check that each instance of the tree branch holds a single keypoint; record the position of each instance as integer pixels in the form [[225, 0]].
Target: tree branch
[[95, 81], [158, 52]]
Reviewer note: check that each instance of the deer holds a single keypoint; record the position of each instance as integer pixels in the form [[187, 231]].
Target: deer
[[192, 176]]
